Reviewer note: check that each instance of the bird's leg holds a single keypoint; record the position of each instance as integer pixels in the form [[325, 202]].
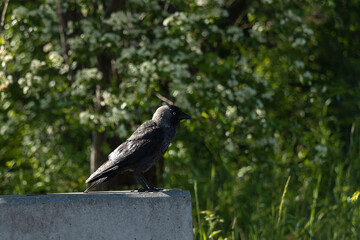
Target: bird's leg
[[148, 184], [141, 181]]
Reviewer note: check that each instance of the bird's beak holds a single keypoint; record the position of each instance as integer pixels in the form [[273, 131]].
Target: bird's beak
[[183, 116]]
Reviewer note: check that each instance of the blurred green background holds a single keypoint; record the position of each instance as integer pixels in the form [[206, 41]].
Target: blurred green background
[[273, 87]]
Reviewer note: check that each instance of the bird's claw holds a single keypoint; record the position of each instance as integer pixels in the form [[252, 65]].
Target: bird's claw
[[142, 189], [150, 189]]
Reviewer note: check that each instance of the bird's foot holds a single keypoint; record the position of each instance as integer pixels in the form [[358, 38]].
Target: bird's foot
[[155, 189], [150, 189], [143, 189]]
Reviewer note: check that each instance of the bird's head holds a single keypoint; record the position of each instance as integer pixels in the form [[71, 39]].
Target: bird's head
[[169, 115]]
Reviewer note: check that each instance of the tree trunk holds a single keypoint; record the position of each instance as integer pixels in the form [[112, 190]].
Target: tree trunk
[[105, 65], [97, 156], [97, 140]]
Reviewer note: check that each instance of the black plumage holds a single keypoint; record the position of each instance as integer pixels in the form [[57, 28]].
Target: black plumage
[[142, 149]]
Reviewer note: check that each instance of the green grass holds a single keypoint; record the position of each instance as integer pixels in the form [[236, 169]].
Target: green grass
[[320, 202], [282, 201]]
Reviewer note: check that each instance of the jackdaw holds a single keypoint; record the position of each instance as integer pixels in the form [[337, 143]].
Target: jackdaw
[[142, 149]]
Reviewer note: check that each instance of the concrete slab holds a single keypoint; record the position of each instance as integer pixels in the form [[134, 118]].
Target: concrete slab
[[97, 215]]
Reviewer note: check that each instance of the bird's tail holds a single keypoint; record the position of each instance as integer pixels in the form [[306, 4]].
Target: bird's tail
[[97, 182]]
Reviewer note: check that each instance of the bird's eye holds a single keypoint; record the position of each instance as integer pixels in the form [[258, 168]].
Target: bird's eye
[[174, 113]]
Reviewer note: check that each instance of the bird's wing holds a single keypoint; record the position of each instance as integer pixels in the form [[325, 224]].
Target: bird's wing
[[145, 141]]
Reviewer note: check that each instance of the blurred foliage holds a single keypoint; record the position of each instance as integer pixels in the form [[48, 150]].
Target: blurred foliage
[[272, 87]]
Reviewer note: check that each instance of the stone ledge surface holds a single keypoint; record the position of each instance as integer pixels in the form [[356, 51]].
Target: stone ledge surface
[[97, 215]]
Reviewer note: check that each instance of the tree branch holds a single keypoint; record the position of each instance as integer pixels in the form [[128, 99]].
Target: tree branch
[[63, 39], [164, 99], [114, 6], [4, 13]]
